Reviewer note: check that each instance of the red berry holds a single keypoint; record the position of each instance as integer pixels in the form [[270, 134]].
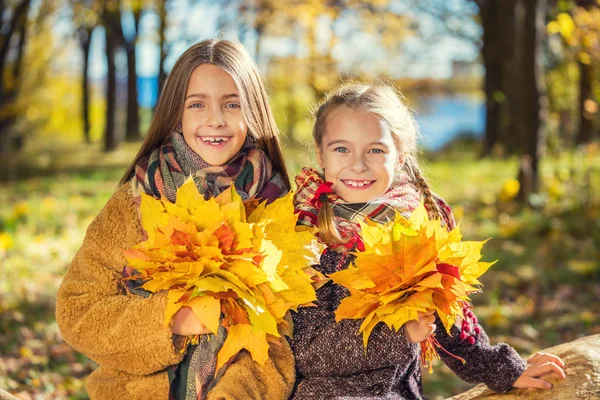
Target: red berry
[[471, 340], [474, 319], [477, 330], [463, 336], [469, 314], [466, 328]]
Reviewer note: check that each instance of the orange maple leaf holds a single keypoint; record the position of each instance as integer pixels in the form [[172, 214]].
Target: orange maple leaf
[[409, 265], [244, 269]]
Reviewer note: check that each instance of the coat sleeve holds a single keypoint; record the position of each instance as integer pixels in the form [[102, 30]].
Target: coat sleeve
[[93, 311], [247, 379], [498, 366], [324, 347]]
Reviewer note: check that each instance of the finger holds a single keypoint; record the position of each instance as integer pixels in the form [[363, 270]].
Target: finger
[[525, 382], [534, 358], [548, 367], [547, 357]]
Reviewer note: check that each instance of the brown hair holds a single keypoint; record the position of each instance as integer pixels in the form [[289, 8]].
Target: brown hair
[[386, 103], [232, 58]]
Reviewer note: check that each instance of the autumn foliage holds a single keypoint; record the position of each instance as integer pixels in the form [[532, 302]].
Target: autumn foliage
[[409, 266], [245, 272]]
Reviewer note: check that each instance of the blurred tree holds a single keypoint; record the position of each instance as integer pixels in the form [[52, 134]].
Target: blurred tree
[[132, 131], [513, 32], [516, 103], [13, 35], [497, 48], [530, 112], [111, 17], [310, 28], [578, 25], [86, 15]]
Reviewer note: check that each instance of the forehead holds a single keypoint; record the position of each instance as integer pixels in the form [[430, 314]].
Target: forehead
[[356, 125], [210, 79]]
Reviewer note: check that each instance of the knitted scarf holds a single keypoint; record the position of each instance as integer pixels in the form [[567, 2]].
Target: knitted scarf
[[160, 174], [167, 168], [403, 196]]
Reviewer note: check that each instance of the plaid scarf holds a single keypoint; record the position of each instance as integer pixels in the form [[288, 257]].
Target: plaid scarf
[[403, 196], [167, 168], [161, 174]]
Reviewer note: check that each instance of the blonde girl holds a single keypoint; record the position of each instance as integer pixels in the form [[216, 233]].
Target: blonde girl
[[366, 142]]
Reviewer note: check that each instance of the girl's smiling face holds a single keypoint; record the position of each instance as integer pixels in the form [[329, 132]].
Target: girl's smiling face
[[212, 122], [358, 155]]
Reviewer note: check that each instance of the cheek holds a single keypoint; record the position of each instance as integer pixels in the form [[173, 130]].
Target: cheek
[[188, 121], [241, 127], [389, 166], [328, 164]]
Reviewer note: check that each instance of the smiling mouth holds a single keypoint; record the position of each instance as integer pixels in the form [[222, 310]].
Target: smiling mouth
[[214, 140], [357, 184]]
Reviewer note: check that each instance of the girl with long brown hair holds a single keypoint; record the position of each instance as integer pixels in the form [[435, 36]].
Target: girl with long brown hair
[[366, 140], [213, 123]]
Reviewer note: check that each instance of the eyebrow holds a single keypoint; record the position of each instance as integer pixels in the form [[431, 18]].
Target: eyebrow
[[341, 141], [203, 96]]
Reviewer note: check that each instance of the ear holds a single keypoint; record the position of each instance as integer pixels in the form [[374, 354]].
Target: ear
[[401, 159]]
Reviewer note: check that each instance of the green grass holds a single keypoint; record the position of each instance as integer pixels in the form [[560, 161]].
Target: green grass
[[541, 292]]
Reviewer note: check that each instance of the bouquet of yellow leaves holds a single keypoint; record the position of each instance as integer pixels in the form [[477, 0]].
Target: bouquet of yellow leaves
[[409, 266], [244, 272]]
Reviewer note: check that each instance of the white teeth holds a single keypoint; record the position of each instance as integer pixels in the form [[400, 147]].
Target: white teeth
[[214, 139], [357, 183]]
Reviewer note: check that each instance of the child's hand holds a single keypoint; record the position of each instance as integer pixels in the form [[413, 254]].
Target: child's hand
[[540, 365], [417, 331], [186, 323]]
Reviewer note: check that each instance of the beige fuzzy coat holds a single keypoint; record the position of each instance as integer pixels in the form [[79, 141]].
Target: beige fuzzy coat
[[125, 334]]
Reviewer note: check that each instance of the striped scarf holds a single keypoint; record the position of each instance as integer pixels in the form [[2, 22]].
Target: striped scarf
[[161, 174], [167, 168], [403, 196]]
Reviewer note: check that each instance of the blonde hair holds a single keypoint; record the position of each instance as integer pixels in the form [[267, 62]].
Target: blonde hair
[[232, 58], [386, 103]]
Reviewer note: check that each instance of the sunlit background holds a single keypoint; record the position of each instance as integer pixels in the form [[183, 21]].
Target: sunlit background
[[506, 94]]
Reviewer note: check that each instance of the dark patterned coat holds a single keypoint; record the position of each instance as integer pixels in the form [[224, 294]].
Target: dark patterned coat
[[331, 361]]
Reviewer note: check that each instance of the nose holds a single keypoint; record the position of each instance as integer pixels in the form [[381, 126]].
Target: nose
[[214, 118], [358, 164]]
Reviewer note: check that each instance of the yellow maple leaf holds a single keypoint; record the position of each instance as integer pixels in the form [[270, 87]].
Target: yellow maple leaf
[[243, 272], [244, 336], [409, 265]]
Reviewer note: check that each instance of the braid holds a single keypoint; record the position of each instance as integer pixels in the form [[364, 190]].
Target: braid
[[327, 229], [428, 198]]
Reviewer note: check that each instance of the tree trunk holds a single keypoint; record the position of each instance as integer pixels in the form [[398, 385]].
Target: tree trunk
[[110, 139], [534, 108], [133, 117], [7, 31], [11, 140], [584, 134], [85, 40], [497, 20], [513, 73], [493, 76], [19, 139]]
